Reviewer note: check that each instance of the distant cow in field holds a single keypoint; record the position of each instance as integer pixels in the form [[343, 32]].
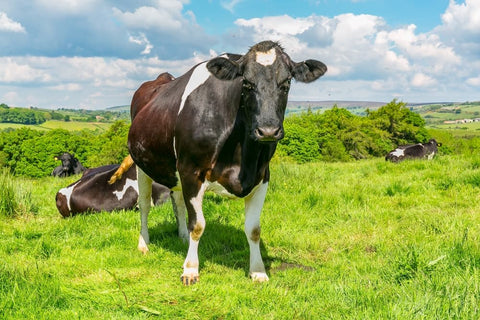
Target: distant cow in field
[[414, 151], [70, 165], [215, 127], [93, 193]]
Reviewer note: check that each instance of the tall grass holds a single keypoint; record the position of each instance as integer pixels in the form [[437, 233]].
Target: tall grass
[[14, 199], [363, 240]]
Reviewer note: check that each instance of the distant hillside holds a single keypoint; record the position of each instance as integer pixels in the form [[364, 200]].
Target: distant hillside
[[125, 108]]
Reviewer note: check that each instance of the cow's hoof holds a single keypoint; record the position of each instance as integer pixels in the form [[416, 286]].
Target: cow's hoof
[[259, 276], [189, 279], [142, 245]]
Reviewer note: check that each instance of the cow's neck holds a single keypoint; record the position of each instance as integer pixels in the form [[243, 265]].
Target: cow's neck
[[255, 158]]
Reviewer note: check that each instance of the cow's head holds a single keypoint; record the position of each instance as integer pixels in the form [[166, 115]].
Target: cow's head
[[267, 72], [434, 142], [68, 161]]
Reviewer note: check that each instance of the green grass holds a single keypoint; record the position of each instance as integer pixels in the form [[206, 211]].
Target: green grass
[[360, 240]]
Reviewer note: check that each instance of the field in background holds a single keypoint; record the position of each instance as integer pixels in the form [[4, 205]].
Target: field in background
[[56, 124], [361, 240]]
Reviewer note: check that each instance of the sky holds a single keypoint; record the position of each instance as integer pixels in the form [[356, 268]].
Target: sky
[[94, 54]]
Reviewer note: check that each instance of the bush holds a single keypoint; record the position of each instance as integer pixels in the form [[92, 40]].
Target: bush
[[31, 153], [338, 135]]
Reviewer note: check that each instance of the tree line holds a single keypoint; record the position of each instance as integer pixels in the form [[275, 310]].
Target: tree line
[[334, 135], [29, 152], [338, 135], [20, 115]]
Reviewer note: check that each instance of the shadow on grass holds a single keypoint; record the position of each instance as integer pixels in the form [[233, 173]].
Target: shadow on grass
[[220, 244]]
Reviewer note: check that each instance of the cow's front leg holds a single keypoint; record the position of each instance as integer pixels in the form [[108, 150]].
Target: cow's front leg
[[253, 208], [144, 202], [193, 192]]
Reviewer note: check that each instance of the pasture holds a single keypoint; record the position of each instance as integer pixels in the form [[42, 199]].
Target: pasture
[[57, 124], [359, 240]]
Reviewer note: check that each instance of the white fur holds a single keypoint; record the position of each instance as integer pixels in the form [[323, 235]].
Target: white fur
[[253, 208], [190, 266], [266, 58], [177, 198], [198, 77], [144, 202], [398, 152], [128, 183], [67, 192]]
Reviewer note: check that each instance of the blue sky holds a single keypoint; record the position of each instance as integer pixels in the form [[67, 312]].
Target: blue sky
[[95, 53]]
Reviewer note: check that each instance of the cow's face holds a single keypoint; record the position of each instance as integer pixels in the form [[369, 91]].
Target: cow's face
[[67, 161], [267, 72]]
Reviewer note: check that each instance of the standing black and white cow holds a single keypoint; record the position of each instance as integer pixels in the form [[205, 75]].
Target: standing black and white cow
[[93, 192], [217, 126], [414, 151], [70, 165]]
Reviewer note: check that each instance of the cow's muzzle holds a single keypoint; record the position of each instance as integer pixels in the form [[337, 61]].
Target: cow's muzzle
[[268, 134]]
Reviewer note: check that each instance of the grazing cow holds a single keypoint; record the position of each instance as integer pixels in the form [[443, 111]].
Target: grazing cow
[[70, 165], [93, 193], [414, 151], [216, 126]]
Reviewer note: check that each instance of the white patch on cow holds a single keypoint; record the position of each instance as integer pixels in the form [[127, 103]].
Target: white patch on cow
[[144, 202], [253, 208], [190, 266], [217, 188], [198, 77], [431, 155], [128, 183], [398, 152], [266, 58], [67, 192], [197, 203]]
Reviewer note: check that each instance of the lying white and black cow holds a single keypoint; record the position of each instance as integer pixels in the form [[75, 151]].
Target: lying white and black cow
[[93, 193], [70, 165], [414, 151]]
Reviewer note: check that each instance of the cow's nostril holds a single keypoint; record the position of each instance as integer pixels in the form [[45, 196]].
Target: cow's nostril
[[268, 133]]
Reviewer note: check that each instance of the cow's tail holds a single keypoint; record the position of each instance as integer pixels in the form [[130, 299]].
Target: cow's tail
[[124, 166]]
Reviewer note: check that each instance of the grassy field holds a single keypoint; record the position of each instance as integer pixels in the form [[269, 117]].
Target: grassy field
[[362, 240], [56, 124]]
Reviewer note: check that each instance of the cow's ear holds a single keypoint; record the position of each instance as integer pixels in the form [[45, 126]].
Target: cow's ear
[[308, 70], [224, 69]]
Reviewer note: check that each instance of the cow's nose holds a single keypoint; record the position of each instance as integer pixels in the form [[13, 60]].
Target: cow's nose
[[266, 134]]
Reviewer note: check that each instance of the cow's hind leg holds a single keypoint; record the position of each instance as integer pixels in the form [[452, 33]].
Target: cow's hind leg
[[193, 191], [253, 207], [144, 202], [179, 208]]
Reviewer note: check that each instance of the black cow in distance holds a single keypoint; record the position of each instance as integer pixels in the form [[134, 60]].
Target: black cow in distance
[[70, 165]]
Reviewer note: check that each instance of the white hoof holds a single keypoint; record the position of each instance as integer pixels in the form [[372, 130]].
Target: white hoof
[[142, 245], [259, 276]]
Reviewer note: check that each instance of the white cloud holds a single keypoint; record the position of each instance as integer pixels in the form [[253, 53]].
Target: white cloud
[[423, 80], [474, 81], [68, 6], [463, 16], [230, 5], [7, 24], [142, 40], [166, 15]]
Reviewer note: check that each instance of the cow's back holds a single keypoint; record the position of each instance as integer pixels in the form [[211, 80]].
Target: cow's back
[[146, 91], [153, 129]]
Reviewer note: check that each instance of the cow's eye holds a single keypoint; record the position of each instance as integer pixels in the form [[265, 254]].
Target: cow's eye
[[248, 85]]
